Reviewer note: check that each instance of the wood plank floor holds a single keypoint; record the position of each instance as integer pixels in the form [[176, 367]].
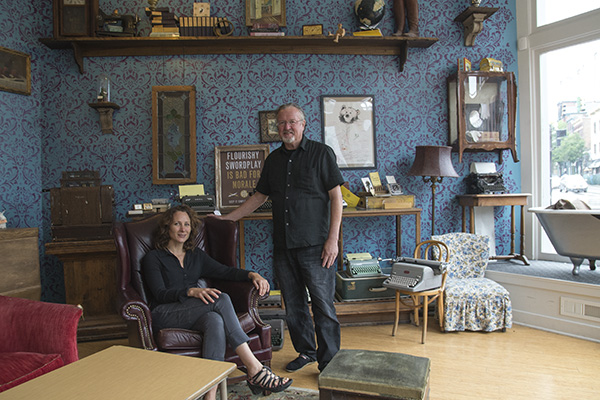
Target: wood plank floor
[[521, 363]]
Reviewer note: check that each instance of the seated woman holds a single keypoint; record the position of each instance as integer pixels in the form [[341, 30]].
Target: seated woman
[[172, 271]]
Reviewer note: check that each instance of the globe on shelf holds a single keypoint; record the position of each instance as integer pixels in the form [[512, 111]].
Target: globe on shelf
[[369, 12]]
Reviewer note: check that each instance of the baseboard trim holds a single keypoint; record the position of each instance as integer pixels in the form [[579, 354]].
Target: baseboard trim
[[557, 325]]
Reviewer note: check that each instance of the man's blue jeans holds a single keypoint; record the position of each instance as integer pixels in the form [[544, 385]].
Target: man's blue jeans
[[297, 270]]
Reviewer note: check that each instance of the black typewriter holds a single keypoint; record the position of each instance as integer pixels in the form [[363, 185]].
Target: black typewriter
[[488, 183], [201, 204]]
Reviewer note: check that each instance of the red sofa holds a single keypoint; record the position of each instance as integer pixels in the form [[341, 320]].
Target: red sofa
[[35, 338]]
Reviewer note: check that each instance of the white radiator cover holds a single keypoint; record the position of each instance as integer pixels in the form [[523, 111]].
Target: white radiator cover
[[580, 308]]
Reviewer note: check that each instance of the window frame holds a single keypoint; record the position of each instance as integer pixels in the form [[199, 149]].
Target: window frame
[[532, 42]]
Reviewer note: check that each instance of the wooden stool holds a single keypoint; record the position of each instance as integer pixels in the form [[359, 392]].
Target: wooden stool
[[364, 374]]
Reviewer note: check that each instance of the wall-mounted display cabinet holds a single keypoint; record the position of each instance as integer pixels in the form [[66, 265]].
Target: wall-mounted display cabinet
[[482, 112]]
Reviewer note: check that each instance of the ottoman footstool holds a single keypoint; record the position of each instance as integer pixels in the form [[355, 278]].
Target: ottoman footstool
[[364, 374]]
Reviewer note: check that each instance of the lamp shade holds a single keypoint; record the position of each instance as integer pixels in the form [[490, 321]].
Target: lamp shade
[[433, 161]]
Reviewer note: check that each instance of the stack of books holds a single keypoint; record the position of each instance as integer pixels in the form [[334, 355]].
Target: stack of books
[[198, 26], [164, 23], [265, 29], [368, 32]]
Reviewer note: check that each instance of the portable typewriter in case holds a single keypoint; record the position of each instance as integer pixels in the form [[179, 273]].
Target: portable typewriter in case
[[362, 279], [415, 275]]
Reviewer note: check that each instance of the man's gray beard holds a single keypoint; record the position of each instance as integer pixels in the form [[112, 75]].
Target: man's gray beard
[[289, 140]]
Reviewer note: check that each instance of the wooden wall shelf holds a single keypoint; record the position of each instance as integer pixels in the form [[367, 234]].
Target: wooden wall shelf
[[472, 19], [154, 46]]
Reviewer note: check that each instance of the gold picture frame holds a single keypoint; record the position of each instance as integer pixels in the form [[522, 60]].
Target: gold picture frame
[[268, 127], [237, 170], [173, 135], [15, 71], [265, 11]]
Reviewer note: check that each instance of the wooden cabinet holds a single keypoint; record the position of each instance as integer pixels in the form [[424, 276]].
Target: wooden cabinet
[[74, 17], [152, 46], [482, 109], [90, 280]]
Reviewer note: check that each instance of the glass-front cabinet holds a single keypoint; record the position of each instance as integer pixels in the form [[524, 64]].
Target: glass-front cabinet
[[482, 112]]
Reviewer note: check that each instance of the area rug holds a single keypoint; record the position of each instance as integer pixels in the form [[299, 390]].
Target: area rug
[[241, 391]]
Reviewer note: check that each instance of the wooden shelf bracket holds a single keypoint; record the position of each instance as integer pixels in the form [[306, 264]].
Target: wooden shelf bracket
[[106, 109], [472, 19]]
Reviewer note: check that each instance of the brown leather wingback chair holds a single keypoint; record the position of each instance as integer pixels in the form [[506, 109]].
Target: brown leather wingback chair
[[216, 237]]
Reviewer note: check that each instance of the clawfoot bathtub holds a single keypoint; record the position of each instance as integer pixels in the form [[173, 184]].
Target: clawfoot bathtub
[[574, 233]]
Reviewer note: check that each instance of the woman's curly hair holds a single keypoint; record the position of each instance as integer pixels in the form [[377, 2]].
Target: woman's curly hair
[[161, 236]]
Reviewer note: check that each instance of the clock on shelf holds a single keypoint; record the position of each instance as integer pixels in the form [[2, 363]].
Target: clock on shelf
[[481, 112], [74, 18]]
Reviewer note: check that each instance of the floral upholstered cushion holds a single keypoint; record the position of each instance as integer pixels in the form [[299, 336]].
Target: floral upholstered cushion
[[469, 254], [472, 302]]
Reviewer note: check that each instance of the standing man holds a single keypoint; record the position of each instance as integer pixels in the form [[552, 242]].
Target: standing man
[[303, 181]]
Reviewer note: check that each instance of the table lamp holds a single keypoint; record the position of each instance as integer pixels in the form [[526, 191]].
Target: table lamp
[[433, 163]]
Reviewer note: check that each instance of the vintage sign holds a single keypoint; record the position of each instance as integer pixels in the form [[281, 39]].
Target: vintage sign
[[237, 170]]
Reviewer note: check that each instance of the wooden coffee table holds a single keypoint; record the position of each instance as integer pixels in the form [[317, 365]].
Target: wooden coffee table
[[121, 372]]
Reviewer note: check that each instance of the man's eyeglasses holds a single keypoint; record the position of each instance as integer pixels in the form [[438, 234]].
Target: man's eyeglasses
[[292, 122]]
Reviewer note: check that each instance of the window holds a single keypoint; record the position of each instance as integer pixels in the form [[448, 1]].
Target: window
[[559, 56], [549, 11], [570, 89]]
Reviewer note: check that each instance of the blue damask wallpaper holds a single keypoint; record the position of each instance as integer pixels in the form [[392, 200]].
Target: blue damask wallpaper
[[54, 129]]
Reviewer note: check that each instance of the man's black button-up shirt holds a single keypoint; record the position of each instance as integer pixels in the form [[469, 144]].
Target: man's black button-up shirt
[[297, 183]]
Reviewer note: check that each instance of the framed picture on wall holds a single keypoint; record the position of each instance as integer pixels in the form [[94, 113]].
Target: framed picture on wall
[[265, 12], [268, 126], [348, 124], [237, 169], [173, 135], [15, 71]]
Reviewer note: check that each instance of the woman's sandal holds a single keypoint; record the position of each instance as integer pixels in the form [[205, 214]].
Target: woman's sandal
[[266, 381]]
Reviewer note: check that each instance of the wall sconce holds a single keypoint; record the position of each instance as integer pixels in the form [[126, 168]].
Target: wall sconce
[[472, 19], [103, 104], [433, 163]]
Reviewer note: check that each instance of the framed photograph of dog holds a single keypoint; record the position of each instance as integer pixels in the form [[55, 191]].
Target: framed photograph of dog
[[268, 127], [348, 124]]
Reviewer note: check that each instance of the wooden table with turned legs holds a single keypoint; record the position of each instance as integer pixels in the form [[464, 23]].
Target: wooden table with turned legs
[[498, 200]]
